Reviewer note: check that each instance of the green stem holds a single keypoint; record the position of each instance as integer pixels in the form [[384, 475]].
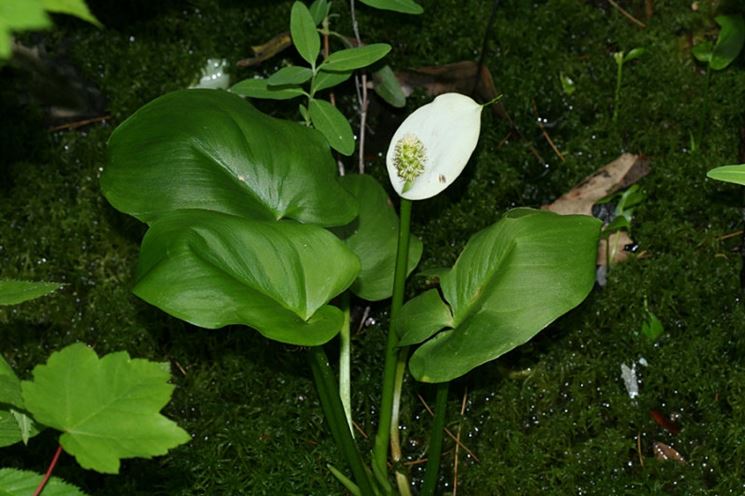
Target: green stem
[[345, 353], [435, 441], [402, 480], [382, 437], [617, 98], [334, 412]]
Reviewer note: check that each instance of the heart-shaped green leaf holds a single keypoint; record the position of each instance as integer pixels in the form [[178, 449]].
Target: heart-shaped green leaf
[[350, 59], [214, 269], [212, 150], [511, 281], [333, 125], [13, 292], [373, 237], [422, 317], [107, 408], [22, 483]]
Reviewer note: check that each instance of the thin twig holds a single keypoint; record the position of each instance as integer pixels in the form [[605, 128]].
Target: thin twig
[[52, 464], [730, 235], [180, 368], [365, 314], [449, 432], [359, 429], [457, 441], [545, 134], [639, 447], [626, 14], [77, 124], [362, 98]]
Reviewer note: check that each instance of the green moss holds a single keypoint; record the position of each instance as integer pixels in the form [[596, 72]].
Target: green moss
[[567, 426]]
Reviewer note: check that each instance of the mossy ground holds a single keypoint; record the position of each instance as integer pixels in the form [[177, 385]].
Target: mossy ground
[[567, 426]]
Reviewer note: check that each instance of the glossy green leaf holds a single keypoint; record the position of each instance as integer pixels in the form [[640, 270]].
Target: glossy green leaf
[[422, 316], [212, 150], [15, 482], [77, 8], [511, 281], [350, 59], [403, 6], [702, 51], [729, 174], [107, 408], [303, 31], [373, 237], [319, 10], [325, 80], [214, 270], [333, 125], [259, 88], [291, 75], [388, 88], [13, 291], [730, 41]]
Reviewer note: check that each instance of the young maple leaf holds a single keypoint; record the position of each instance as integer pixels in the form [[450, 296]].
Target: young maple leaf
[[107, 408]]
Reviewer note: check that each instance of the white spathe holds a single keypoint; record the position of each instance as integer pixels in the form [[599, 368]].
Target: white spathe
[[448, 129]]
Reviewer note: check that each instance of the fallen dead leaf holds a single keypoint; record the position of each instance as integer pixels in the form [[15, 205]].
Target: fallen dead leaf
[[663, 452], [615, 176], [267, 50]]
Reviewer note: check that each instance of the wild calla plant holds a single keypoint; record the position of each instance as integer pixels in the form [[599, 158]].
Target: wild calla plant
[[241, 208], [249, 225]]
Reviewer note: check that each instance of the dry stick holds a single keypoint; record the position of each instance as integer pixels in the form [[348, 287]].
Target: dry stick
[[365, 314], [730, 235], [449, 432], [52, 464], [457, 446], [639, 447], [627, 15], [545, 134], [77, 124], [361, 84]]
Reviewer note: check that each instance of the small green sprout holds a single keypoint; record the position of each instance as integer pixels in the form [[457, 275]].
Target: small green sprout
[[622, 58], [567, 84], [651, 328]]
